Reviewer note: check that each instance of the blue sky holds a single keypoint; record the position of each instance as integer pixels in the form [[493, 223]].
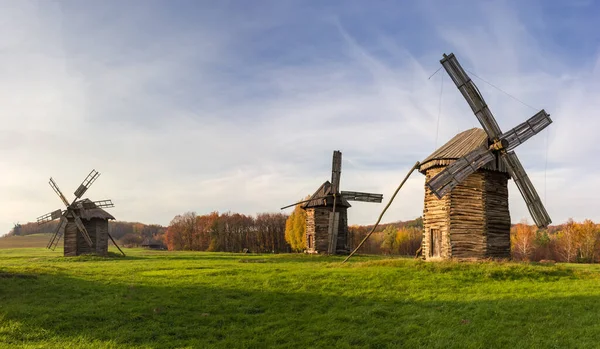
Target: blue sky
[[238, 105]]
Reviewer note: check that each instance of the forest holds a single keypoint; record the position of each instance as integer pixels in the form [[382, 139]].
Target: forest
[[575, 242]]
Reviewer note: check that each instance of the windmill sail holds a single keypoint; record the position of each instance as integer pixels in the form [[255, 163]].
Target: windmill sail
[[526, 130], [472, 95], [58, 192], [334, 217], [87, 183], [58, 232], [359, 196], [534, 204], [458, 171]]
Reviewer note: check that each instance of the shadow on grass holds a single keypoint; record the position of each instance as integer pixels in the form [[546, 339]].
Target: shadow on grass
[[55, 310]]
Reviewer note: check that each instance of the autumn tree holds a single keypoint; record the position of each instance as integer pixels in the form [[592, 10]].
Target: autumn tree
[[522, 237], [567, 241], [389, 240], [295, 229], [589, 238]]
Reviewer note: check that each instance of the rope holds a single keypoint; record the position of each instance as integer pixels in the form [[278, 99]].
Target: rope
[[501, 90], [383, 212], [437, 130], [430, 76], [546, 168]]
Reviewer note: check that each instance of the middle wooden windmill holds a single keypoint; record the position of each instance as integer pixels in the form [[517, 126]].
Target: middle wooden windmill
[[326, 213]]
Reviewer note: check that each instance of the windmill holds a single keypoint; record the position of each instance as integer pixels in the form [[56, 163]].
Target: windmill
[[466, 214], [327, 221], [84, 222], [466, 200]]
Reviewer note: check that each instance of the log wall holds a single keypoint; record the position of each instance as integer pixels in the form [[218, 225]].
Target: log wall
[[467, 218], [497, 215], [435, 216], [317, 225], [473, 218], [70, 239], [75, 244]]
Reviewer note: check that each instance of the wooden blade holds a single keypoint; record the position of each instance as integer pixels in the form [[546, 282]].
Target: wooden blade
[[472, 95], [458, 171], [58, 232], [104, 203], [304, 201], [534, 204], [97, 204], [332, 230], [336, 171], [58, 192], [87, 183], [83, 231], [49, 217], [365, 197], [526, 130]]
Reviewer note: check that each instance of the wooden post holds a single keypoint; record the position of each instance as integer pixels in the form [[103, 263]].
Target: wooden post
[[383, 212], [113, 240]]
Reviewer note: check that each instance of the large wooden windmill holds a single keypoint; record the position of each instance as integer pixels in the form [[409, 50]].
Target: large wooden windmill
[[83, 223], [466, 195], [326, 213]]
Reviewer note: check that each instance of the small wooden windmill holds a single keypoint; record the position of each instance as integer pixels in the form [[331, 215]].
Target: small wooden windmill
[[326, 212], [84, 223], [466, 195]]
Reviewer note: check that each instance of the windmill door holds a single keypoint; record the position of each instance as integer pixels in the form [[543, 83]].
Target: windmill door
[[435, 249]]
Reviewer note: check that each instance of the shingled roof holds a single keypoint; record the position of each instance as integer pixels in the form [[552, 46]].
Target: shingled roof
[[459, 146], [322, 198]]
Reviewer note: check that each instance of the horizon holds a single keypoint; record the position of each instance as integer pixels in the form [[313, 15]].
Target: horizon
[[196, 106]]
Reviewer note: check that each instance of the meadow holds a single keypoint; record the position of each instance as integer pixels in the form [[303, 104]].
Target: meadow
[[160, 299]]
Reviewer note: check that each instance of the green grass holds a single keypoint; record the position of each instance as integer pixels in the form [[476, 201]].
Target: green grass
[[195, 300]]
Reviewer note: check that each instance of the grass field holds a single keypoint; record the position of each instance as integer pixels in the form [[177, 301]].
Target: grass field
[[33, 240], [196, 300]]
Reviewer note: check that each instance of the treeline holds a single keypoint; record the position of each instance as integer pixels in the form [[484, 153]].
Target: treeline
[[227, 232], [570, 242], [129, 233], [397, 238]]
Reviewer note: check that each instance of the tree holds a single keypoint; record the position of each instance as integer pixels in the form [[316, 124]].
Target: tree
[[389, 240], [295, 229], [567, 242], [522, 239], [589, 239]]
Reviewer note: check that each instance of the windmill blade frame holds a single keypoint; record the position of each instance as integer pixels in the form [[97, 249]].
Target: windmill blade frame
[[82, 230], [305, 201], [534, 203], [471, 93], [50, 216], [97, 204], [518, 135], [360, 196], [458, 171], [58, 192], [336, 171], [58, 232], [86, 184]]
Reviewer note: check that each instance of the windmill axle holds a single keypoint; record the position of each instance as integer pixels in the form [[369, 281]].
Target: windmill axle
[[499, 145]]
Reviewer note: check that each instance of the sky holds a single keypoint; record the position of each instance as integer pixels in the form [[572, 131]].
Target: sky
[[238, 105]]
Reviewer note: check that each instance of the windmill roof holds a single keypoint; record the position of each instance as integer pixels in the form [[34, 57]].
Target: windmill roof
[[91, 213], [322, 197], [459, 146]]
